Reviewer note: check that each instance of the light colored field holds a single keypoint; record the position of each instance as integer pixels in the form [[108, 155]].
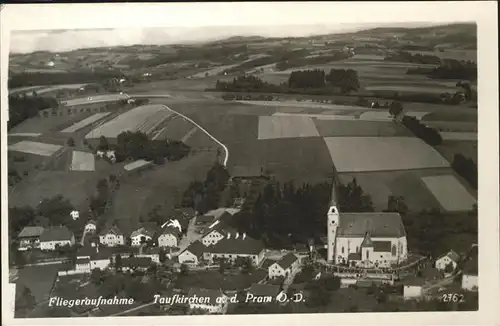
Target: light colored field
[[416, 89], [85, 122], [286, 127], [136, 164], [95, 99], [82, 161], [459, 136], [375, 116], [303, 104], [359, 128], [36, 148], [450, 193], [25, 134], [358, 154], [142, 118]]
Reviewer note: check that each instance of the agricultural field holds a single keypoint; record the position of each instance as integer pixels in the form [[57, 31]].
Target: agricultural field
[[409, 184], [275, 127], [37, 125], [450, 193], [85, 122], [360, 154], [359, 128], [163, 185], [143, 118], [215, 71], [95, 99], [36, 148], [451, 147], [472, 136], [82, 161]]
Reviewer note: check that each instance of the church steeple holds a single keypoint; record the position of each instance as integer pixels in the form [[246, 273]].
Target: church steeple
[[333, 220]]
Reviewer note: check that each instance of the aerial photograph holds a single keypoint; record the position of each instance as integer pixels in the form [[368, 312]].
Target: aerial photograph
[[192, 171]]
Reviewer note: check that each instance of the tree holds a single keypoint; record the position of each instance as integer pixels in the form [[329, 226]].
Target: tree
[[247, 266], [449, 268], [162, 256], [184, 269], [25, 301], [223, 265], [118, 261], [395, 109], [318, 295], [103, 144], [397, 204], [97, 276], [71, 142]]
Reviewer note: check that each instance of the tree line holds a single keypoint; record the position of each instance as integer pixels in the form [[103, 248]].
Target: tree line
[[303, 61], [466, 168], [22, 107], [404, 56], [427, 134], [449, 69], [58, 78]]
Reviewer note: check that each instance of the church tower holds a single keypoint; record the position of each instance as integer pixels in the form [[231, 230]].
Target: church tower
[[333, 220]]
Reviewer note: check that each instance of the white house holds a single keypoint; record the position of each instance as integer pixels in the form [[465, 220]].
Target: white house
[[98, 257], [82, 265], [29, 237], [168, 237], [192, 254], [365, 239], [449, 258], [233, 247], [75, 215], [90, 227], [413, 288], [286, 267], [112, 237], [55, 237], [140, 236], [211, 301], [216, 232]]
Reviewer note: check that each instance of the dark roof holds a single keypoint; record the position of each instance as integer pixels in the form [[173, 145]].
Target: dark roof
[[95, 253], [452, 255], [287, 260], [237, 246], [268, 262], [169, 230], [80, 261], [136, 262], [367, 241], [206, 293], [31, 231], [196, 248], [222, 228], [147, 231], [205, 219], [114, 229], [264, 289], [377, 224], [382, 246], [354, 256], [56, 233]]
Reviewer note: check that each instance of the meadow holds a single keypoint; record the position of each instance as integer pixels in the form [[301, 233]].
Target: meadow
[[36, 148], [85, 122], [450, 193], [82, 161]]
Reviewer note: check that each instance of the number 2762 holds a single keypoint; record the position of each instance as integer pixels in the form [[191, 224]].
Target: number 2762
[[452, 297]]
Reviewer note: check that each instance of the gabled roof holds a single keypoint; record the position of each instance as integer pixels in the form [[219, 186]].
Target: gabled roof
[[264, 290], [382, 246], [196, 248], [113, 230], [145, 231], [287, 260], [56, 233], [95, 253], [169, 230], [367, 241], [377, 224], [452, 255], [31, 231], [232, 245]]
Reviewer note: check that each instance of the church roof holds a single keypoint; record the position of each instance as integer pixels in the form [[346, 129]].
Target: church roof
[[376, 224], [367, 241]]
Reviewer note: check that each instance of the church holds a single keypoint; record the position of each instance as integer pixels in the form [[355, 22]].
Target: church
[[367, 240]]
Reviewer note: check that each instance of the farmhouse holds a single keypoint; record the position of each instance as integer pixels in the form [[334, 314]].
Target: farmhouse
[[470, 271], [193, 254], [216, 232], [286, 267], [212, 301], [90, 227], [365, 239], [168, 237], [29, 237], [141, 236], [112, 237], [55, 237], [232, 248], [99, 257], [449, 258]]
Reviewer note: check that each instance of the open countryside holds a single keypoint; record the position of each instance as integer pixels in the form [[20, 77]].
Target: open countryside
[[338, 167]]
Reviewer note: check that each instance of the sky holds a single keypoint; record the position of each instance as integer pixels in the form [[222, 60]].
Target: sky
[[67, 40]]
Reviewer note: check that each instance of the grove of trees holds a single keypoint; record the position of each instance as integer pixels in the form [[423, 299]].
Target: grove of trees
[[22, 107], [466, 168], [427, 134]]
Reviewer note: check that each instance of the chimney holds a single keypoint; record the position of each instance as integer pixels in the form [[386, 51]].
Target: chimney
[[244, 236], [237, 235]]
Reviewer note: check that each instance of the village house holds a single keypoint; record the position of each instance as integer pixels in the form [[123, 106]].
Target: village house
[[365, 239], [112, 237], [82, 265], [193, 254], [286, 267], [216, 232], [233, 247], [413, 288], [168, 237], [449, 258], [75, 215], [470, 271], [57, 236], [29, 237], [99, 257], [141, 236], [216, 302], [90, 227]]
